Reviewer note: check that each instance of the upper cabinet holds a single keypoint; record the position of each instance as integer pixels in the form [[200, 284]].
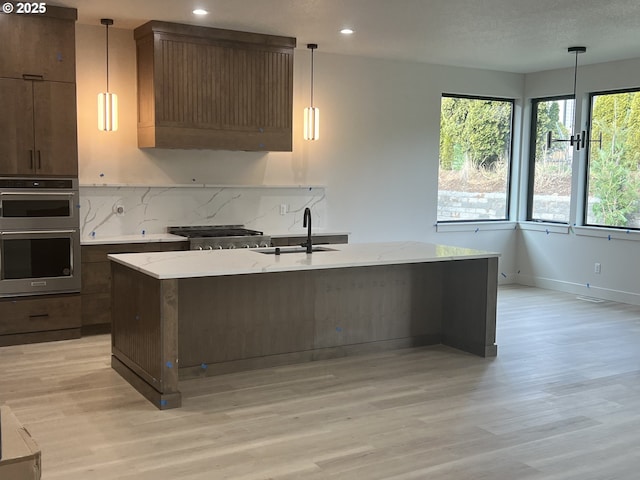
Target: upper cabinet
[[209, 88], [38, 94], [38, 128], [39, 44]]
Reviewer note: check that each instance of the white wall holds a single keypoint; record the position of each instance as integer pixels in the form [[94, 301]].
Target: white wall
[[377, 154], [565, 261]]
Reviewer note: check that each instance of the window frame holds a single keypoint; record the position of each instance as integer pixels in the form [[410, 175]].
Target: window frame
[[586, 178], [508, 189], [531, 174]]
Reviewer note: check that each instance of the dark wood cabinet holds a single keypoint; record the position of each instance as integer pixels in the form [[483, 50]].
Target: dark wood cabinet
[[37, 94], [38, 128], [203, 87], [96, 279], [39, 44], [16, 127], [316, 240], [39, 319]]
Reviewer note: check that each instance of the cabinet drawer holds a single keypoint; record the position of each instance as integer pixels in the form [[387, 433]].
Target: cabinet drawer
[[96, 309], [39, 314]]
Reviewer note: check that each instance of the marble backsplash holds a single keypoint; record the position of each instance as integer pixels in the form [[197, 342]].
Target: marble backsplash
[[133, 210]]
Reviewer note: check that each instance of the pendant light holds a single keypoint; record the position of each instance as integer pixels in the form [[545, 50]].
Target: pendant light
[[107, 101], [311, 114], [579, 139]]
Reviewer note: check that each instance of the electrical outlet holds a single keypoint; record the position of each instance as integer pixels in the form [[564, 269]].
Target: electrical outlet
[[283, 209], [597, 267]]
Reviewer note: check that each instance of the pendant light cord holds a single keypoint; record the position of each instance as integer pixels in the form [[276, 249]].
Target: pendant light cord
[[107, 29], [107, 22], [312, 78]]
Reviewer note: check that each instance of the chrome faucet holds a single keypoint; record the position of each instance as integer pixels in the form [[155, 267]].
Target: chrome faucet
[[306, 222]]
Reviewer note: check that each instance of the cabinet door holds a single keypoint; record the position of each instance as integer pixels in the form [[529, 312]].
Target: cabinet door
[[17, 154], [37, 44], [54, 123]]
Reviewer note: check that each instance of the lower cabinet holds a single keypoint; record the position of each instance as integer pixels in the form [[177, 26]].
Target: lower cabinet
[[96, 280], [39, 319], [315, 239]]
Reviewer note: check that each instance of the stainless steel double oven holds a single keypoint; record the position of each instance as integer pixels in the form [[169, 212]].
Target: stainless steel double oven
[[39, 236]]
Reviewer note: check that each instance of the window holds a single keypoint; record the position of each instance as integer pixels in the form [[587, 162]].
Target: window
[[550, 165], [475, 158], [613, 180]]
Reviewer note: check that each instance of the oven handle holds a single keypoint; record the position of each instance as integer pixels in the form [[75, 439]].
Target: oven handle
[[37, 232], [47, 194]]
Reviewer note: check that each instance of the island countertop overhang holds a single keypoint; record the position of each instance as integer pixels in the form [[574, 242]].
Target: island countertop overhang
[[195, 263]]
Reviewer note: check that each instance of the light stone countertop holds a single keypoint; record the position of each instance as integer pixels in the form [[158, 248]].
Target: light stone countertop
[[210, 263], [146, 238], [167, 237], [303, 233]]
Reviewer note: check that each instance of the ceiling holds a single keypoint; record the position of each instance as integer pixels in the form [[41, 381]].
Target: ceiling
[[520, 36]]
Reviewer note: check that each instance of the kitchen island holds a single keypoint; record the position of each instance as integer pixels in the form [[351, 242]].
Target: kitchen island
[[187, 314]]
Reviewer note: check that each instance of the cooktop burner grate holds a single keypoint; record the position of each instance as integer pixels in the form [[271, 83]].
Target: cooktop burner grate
[[214, 237], [213, 231]]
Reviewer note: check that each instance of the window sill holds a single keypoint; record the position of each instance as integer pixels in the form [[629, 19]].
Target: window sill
[[544, 227], [488, 226], [608, 233]]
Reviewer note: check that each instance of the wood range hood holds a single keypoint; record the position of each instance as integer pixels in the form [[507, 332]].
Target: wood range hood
[[209, 88]]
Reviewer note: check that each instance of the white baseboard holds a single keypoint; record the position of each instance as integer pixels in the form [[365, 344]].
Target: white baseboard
[[579, 289]]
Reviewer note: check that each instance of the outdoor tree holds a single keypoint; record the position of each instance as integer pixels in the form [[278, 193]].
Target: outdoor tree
[[614, 181], [548, 120], [474, 131]]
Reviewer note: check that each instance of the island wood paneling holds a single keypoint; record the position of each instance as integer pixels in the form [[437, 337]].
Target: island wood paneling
[[377, 303], [237, 317], [467, 303], [136, 324], [222, 324], [144, 334], [210, 88]]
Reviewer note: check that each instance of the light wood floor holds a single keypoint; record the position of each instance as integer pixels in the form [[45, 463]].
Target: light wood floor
[[561, 401]]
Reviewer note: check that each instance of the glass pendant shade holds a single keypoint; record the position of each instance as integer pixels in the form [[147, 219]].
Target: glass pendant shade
[[311, 123], [107, 112]]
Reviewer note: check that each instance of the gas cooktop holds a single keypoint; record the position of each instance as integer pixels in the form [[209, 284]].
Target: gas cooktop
[[216, 237], [213, 231]]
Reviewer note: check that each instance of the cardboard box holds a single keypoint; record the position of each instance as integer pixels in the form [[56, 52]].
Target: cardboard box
[[19, 453]]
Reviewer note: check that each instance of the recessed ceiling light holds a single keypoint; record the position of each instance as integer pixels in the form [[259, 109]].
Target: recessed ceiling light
[[200, 11], [346, 31]]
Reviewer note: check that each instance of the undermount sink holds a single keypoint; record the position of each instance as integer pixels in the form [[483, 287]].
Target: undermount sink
[[284, 250]]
